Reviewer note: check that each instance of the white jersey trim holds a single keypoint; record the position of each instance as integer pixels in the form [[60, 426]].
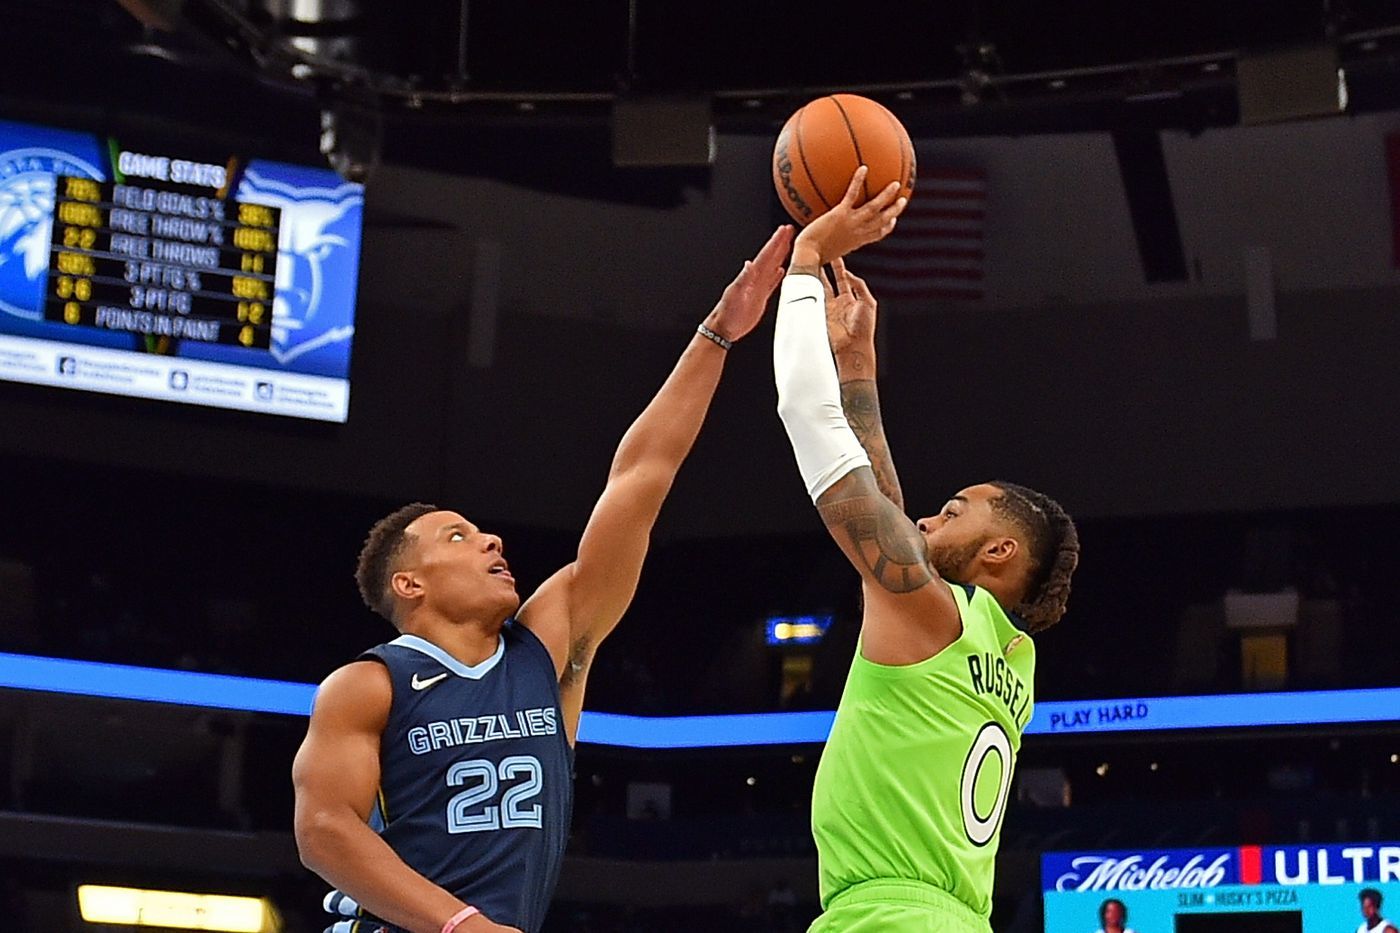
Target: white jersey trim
[[470, 671]]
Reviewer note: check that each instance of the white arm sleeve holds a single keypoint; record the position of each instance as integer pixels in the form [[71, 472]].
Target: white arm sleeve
[[809, 392]]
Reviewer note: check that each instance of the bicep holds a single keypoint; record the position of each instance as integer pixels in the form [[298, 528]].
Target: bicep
[[878, 539], [909, 614], [337, 766], [615, 543], [582, 603]]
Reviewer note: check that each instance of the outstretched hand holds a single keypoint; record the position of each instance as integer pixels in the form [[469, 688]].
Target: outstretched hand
[[742, 305], [850, 310], [846, 228]]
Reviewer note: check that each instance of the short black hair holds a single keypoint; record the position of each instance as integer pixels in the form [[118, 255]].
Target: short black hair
[[1054, 545], [382, 548], [1372, 894], [1103, 912]]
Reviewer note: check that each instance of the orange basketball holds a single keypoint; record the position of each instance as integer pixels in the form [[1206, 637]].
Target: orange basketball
[[824, 142]]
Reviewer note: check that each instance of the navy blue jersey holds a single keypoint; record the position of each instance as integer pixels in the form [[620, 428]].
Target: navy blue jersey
[[476, 783]]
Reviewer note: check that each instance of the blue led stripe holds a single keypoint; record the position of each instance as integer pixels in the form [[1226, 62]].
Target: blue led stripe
[[89, 678], [705, 731], [186, 688], [1224, 711]]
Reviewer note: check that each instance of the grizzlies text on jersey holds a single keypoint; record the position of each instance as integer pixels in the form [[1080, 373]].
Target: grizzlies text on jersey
[[476, 782]]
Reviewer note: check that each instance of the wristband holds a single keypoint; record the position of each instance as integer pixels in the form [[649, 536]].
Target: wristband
[[458, 917], [704, 331]]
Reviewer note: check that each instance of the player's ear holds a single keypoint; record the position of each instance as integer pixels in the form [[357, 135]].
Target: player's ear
[[1000, 551], [406, 585]]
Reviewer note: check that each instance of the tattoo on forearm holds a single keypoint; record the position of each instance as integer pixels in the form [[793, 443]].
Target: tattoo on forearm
[[853, 364], [882, 539], [861, 403]]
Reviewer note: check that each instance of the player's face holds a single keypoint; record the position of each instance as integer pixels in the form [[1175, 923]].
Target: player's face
[[1113, 915], [1368, 909], [462, 569], [954, 537]]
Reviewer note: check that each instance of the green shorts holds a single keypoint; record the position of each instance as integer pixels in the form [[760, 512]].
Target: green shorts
[[897, 907]]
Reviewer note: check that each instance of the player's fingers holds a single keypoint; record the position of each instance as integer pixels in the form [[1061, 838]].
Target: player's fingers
[[856, 187], [773, 247], [843, 275], [827, 285], [882, 200], [859, 288]]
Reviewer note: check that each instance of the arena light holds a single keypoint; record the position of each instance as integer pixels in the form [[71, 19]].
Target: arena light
[[176, 910], [796, 630]]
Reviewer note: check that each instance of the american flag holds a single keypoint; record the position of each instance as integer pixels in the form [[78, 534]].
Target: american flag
[[936, 253]]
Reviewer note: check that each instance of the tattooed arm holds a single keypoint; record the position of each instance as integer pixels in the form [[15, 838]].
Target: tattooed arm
[[910, 614], [850, 325]]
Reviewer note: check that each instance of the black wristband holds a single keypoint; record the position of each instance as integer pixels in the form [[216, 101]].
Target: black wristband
[[704, 331]]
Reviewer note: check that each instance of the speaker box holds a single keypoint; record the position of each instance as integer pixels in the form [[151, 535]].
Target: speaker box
[[1290, 84]]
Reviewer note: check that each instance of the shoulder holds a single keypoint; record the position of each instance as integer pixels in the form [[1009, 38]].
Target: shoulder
[[358, 694], [547, 614]]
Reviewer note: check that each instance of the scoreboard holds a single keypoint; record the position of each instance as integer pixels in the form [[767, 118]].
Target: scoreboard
[[203, 278], [162, 263]]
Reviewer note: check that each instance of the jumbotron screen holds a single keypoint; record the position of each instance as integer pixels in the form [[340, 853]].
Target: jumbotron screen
[[173, 272], [1264, 889]]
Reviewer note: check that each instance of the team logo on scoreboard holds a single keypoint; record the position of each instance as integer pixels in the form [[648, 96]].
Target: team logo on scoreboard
[[316, 261], [27, 183]]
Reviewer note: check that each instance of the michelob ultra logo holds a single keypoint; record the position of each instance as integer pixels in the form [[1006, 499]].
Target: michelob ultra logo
[[1167, 869], [1155, 871]]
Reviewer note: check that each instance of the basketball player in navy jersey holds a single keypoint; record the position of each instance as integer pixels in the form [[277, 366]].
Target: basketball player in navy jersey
[[434, 786]]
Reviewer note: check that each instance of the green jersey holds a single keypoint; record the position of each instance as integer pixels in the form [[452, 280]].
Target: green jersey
[[914, 779]]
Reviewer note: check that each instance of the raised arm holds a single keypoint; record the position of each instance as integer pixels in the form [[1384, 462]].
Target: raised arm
[[850, 326], [905, 617], [336, 778], [577, 607]]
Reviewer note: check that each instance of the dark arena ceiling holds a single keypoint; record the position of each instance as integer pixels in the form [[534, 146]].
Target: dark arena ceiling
[[426, 71]]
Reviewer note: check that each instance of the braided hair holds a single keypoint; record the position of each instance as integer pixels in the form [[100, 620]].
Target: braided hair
[[1053, 542]]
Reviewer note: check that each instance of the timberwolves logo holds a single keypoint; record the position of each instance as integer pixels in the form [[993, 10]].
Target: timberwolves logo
[[316, 262], [27, 181]]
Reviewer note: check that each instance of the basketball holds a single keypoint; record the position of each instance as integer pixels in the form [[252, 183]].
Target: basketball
[[825, 141]]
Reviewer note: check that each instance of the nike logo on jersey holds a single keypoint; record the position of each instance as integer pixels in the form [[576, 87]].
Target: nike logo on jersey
[[425, 684]]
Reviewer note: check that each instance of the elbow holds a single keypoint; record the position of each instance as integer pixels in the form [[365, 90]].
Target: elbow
[[315, 835], [789, 407], [796, 408]]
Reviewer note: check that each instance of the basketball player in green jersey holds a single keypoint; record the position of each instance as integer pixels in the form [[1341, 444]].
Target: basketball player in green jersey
[[915, 777]]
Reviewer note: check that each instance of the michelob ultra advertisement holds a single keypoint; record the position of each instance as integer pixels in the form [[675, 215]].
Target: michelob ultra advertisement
[[1340, 888]]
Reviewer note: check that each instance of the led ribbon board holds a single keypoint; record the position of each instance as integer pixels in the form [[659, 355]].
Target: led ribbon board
[[220, 691]]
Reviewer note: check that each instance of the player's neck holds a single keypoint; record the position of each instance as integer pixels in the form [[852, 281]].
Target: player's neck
[[1004, 592], [470, 641]]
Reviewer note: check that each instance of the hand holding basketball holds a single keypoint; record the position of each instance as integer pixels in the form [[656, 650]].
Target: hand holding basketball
[[741, 306], [846, 227]]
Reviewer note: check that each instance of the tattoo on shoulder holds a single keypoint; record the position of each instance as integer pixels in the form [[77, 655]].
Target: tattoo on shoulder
[[882, 539]]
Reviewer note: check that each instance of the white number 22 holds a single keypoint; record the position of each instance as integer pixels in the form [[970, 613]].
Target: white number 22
[[511, 813]]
